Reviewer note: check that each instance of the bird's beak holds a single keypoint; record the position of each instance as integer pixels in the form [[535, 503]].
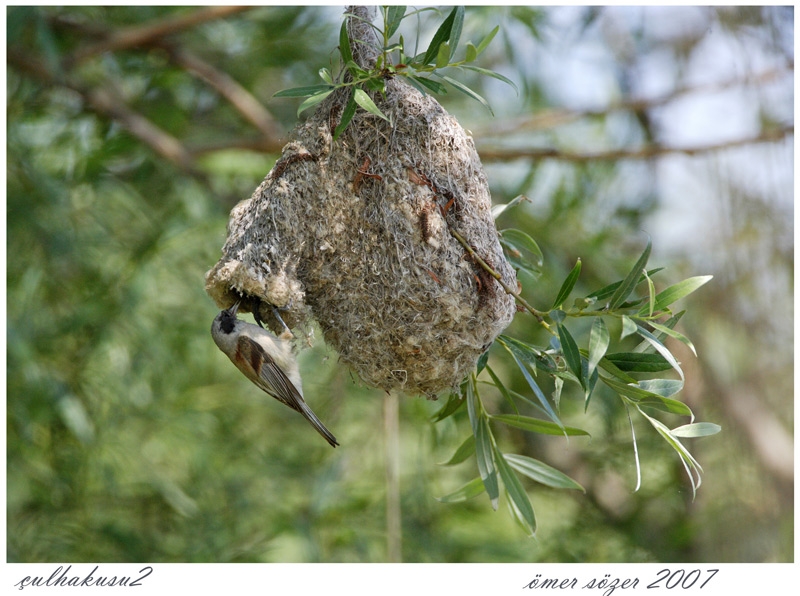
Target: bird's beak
[[234, 308]]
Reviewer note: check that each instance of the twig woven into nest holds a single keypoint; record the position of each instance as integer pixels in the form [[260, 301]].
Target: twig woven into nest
[[356, 233]]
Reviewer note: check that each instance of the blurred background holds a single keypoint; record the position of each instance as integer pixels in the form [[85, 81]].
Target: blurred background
[[132, 132]]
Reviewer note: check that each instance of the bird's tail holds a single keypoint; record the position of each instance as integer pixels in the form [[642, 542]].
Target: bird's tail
[[317, 424]]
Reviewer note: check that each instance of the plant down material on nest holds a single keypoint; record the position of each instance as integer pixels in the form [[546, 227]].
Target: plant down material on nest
[[357, 233]]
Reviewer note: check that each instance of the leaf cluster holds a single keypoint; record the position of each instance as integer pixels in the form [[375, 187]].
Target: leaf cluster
[[637, 376], [394, 60]]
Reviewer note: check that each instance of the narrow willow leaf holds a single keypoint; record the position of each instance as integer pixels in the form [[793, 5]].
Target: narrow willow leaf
[[599, 339], [471, 489], [628, 327], [677, 291], [568, 285], [366, 102], [443, 56], [638, 362], [535, 388], [662, 387], [303, 91], [631, 280], [641, 396], [541, 472], [635, 451], [697, 429], [454, 402], [467, 91], [612, 369], [344, 44], [521, 249], [517, 515], [605, 292], [455, 30], [347, 115], [394, 16], [660, 336], [486, 465], [488, 39], [312, 101], [571, 353], [515, 490], [651, 295], [501, 387], [672, 333], [325, 75], [693, 469], [536, 425], [472, 53], [497, 210], [431, 85], [442, 35], [492, 74], [466, 449], [660, 348]]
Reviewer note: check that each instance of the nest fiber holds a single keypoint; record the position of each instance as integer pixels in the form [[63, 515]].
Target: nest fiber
[[358, 233]]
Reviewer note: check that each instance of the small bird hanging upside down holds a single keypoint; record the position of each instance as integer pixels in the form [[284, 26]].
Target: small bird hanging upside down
[[267, 361]]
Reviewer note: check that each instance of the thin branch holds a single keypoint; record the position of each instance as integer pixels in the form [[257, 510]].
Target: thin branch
[[241, 99], [508, 289], [648, 152], [554, 117], [150, 32], [104, 101]]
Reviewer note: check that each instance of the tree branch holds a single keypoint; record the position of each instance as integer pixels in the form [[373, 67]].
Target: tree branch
[[150, 32], [500, 154]]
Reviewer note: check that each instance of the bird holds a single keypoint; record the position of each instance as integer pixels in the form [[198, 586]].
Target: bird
[[266, 360]]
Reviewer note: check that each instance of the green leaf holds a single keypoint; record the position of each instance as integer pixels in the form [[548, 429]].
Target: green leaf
[[522, 250], [697, 429], [472, 53], [638, 362], [466, 449], [571, 353], [660, 348], [366, 102], [497, 210], [467, 91], [651, 293], [471, 489], [303, 91], [454, 402], [312, 101], [492, 74], [642, 397], [518, 516], [541, 472], [488, 39], [599, 339], [325, 75], [568, 285], [483, 443], [344, 44], [442, 35], [628, 327], [626, 287], [606, 291], [443, 57], [612, 369], [394, 16], [677, 291], [537, 426], [693, 469], [516, 492], [515, 354], [347, 115], [672, 333], [662, 387], [455, 30], [422, 83]]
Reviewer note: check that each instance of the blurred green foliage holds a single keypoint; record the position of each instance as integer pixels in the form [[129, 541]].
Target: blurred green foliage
[[131, 438]]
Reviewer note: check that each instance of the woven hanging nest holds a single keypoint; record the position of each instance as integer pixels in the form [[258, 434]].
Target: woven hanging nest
[[356, 233]]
